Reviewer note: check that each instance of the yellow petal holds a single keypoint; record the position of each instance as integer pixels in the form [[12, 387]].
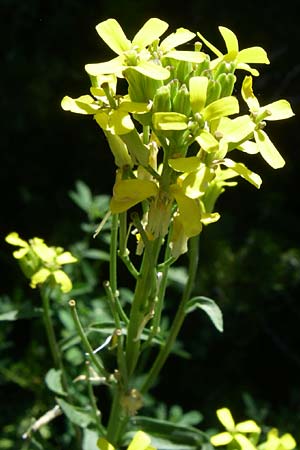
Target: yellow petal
[[81, 105], [188, 164], [235, 130], [189, 210], [281, 109], [210, 46], [244, 172], [181, 36], [268, 150], [185, 55], [248, 426], [14, 239], [254, 55], [288, 442], [112, 34], [221, 439], [103, 444], [63, 280], [248, 95], [141, 441], [149, 32], [230, 39], [66, 258], [225, 417], [114, 66], [40, 277], [244, 442], [18, 254], [225, 106], [207, 141], [128, 193], [198, 93]]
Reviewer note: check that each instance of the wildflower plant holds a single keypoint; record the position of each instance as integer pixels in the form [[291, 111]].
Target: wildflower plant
[[176, 136]]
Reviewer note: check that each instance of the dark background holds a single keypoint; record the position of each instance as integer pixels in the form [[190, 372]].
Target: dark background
[[250, 260]]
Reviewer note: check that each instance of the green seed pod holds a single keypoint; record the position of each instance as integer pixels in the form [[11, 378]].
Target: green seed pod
[[162, 100], [181, 102], [227, 81], [214, 89]]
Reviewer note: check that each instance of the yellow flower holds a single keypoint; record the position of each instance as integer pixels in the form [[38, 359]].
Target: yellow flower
[[274, 442], [40, 262], [133, 53], [140, 441], [278, 110], [235, 432], [240, 57]]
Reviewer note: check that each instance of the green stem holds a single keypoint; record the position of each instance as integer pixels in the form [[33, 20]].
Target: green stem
[[116, 417], [85, 341], [145, 292], [95, 410], [179, 317], [113, 253], [50, 329]]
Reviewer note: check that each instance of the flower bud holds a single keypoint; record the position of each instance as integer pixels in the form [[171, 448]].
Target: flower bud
[[181, 102], [213, 91], [227, 81], [162, 100]]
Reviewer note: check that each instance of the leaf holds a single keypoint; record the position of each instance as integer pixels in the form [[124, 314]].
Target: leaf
[[82, 196], [171, 434], [53, 381], [25, 312], [94, 253], [90, 438], [210, 307], [79, 416]]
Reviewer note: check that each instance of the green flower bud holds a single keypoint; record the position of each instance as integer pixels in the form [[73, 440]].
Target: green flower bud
[[213, 91], [181, 102], [141, 88], [162, 100], [227, 81], [202, 67]]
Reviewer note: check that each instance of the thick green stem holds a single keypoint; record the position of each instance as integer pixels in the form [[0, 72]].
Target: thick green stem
[[141, 308], [179, 317]]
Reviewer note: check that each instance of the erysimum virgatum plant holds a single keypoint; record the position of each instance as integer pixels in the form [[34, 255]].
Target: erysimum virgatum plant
[[175, 136]]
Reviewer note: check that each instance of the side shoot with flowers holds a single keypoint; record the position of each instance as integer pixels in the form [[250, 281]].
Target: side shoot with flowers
[[176, 136]]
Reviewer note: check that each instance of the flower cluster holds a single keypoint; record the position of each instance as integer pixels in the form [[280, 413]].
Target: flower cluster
[[245, 435], [171, 134], [41, 263]]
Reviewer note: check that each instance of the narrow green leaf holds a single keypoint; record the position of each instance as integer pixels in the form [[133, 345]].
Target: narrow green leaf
[[174, 436], [54, 383], [76, 415], [210, 307]]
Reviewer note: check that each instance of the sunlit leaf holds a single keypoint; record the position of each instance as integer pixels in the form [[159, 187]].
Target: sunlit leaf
[[210, 307]]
